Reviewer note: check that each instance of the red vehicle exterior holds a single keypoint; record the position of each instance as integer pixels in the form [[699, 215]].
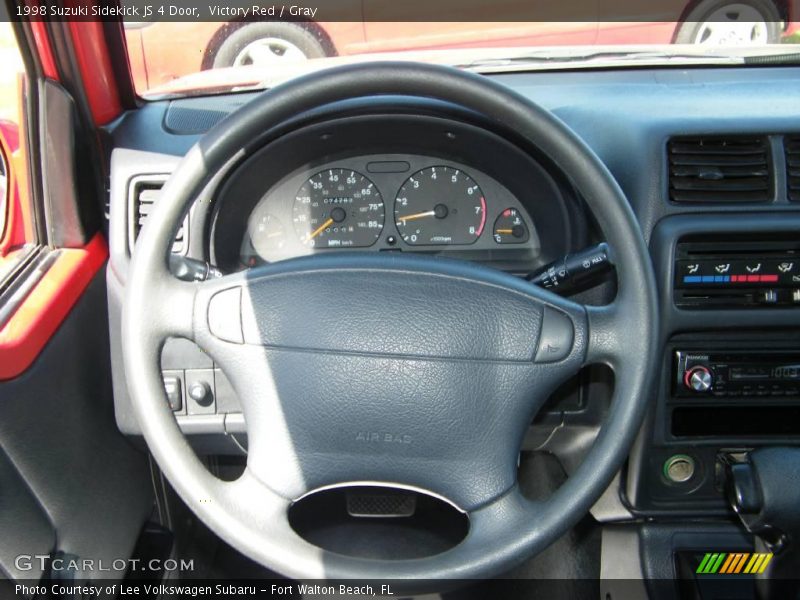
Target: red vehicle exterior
[[163, 51], [160, 52]]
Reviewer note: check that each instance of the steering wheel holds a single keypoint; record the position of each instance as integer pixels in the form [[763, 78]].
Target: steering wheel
[[383, 367]]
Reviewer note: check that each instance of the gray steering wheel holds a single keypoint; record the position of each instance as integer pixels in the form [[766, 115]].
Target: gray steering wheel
[[448, 361]]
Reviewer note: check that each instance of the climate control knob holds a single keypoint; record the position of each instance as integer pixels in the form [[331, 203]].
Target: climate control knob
[[698, 379]]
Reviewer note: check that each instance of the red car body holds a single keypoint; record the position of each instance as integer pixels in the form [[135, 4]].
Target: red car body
[[163, 51]]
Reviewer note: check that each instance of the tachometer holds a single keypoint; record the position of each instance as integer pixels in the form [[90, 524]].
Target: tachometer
[[440, 205], [338, 208]]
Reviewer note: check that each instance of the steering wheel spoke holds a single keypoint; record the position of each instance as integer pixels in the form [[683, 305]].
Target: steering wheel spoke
[[166, 306], [607, 335], [176, 299]]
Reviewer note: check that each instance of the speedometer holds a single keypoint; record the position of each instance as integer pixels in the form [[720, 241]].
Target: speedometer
[[338, 208], [440, 205]]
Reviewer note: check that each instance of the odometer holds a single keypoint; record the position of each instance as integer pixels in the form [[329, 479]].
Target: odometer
[[440, 205], [338, 208]]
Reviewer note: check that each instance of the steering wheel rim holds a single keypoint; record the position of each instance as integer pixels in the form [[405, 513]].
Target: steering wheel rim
[[505, 528]]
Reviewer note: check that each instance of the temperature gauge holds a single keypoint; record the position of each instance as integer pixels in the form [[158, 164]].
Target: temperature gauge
[[510, 228]]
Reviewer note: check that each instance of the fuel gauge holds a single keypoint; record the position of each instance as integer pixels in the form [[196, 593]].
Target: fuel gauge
[[267, 235], [510, 228]]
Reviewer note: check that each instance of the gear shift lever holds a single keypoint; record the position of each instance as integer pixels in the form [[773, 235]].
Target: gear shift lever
[[765, 493]]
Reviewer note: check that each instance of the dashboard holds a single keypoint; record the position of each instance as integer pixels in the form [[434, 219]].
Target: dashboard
[[378, 177], [440, 182]]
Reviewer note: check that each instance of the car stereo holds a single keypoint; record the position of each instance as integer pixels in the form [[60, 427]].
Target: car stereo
[[737, 374]]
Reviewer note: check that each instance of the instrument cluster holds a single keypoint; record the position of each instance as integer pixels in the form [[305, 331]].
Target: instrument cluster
[[386, 202]]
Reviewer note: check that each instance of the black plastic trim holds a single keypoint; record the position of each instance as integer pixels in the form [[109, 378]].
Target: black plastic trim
[[68, 226]]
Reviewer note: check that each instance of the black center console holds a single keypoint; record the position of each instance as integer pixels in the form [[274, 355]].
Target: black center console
[[721, 396], [730, 376]]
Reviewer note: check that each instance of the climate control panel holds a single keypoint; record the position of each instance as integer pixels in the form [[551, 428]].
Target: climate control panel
[[736, 273], [757, 281]]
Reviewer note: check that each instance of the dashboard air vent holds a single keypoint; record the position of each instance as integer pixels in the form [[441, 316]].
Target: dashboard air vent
[[792, 146], [143, 197], [714, 169]]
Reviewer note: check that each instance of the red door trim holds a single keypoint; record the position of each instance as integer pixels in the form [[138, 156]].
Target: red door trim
[[44, 49], [39, 316], [97, 73], [13, 232]]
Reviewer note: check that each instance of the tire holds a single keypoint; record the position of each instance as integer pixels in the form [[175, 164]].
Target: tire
[[720, 22], [263, 44]]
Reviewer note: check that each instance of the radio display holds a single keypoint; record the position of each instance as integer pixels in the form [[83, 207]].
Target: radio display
[[784, 372], [765, 373]]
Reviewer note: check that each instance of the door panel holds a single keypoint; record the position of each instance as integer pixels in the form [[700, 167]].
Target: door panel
[[57, 429], [27, 530], [69, 480]]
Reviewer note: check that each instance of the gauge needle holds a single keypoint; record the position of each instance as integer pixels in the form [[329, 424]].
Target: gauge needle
[[429, 213], [319, 230], [504, 231]]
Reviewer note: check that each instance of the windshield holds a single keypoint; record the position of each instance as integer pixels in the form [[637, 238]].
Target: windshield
[[192, 49]]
